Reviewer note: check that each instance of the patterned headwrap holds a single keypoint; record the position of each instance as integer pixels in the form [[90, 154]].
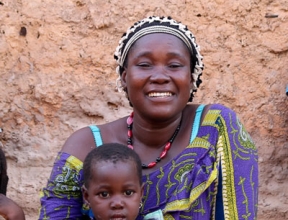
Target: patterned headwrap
[[166, 25]]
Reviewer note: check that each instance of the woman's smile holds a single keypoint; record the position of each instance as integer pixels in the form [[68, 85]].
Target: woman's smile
[[165, 79], [160, 94]]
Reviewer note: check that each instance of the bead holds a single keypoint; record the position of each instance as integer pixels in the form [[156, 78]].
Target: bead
[[152, 164], [129, 133], [130, 146], [129, 120], [163, 154], [167, 146]]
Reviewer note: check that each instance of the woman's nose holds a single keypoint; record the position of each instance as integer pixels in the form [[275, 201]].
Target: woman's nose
[[159, 75]]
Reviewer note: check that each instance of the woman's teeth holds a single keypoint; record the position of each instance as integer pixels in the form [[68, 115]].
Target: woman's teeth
[[159, 94]]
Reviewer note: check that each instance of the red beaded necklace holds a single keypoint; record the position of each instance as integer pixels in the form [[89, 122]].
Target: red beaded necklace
[[165, 150]]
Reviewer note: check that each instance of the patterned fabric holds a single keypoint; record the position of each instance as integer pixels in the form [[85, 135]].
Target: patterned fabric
[[184, 188], [62, 197]]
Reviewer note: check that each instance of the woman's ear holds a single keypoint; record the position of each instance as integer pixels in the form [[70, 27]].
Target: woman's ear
[[123, 78], [193, 80]]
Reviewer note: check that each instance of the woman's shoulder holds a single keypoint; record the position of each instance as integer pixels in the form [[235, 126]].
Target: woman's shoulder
[[79, 143], [82, 141], [114, 131], [217, 110], [208, 108], [220, 107], [211, 110]]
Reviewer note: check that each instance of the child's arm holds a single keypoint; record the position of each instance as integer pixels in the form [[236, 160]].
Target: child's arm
[[10, 210]]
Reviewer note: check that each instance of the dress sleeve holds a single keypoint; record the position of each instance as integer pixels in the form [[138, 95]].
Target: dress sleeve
[[238, 159], [62, 197]]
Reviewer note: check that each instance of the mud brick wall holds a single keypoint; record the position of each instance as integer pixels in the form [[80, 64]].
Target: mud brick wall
[[58, 74]]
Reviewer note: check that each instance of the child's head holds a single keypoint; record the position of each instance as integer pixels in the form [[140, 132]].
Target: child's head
[[113, 182]]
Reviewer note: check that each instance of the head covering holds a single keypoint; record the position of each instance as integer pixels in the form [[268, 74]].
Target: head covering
[[166, 25]]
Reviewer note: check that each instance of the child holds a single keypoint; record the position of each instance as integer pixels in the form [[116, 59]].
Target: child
[[8, 208], [113, 186]]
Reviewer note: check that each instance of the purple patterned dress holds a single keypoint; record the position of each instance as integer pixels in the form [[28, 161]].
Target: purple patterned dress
[[220, 160]]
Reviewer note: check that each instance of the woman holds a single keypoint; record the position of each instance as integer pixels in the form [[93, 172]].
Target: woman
[[198, 161]]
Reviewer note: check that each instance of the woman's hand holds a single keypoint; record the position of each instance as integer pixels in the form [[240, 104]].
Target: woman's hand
[[10, 210]]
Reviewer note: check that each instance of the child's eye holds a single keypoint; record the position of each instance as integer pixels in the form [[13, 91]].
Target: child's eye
[[128, 193], [104, 194]]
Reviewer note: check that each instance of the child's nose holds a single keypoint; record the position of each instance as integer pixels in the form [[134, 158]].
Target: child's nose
[[117, 202]]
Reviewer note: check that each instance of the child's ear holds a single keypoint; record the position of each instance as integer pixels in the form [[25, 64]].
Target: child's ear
[[85, 194]]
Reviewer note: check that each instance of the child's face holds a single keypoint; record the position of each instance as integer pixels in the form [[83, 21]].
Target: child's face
[[114, 191]]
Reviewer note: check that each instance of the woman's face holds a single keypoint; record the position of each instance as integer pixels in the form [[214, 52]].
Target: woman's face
[[157, 75], [114, 190]]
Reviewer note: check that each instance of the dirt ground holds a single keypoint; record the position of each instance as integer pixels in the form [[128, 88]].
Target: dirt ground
[[58, 74]]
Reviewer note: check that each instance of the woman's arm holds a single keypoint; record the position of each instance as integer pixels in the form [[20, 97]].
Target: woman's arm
[[238, 159], [62, 196]]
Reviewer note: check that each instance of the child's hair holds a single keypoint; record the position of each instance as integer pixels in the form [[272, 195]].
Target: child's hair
[[111, 152], [3, 173]]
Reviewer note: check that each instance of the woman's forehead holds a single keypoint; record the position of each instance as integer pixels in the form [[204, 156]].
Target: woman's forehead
[[156, 40], [159, 37]]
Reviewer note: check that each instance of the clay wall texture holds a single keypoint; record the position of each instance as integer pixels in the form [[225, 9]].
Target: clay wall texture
[[60, 76]]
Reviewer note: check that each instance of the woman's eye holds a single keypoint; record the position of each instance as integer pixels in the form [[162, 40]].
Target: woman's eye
[[174, 65], [128, 193], [104, 194], [143, 64]]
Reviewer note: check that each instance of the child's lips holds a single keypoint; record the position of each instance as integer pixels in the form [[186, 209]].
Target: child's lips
[[118, 217]]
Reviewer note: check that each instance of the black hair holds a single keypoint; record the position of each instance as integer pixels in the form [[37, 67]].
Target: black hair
[[3, 173], [112, 152]]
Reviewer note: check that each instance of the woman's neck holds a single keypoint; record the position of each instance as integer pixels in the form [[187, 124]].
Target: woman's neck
[[152, 133]]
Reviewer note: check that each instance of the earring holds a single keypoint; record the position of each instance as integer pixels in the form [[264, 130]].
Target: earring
[[191, 96], [140, 205], [119, 86], [86, 205], [125, 91]]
